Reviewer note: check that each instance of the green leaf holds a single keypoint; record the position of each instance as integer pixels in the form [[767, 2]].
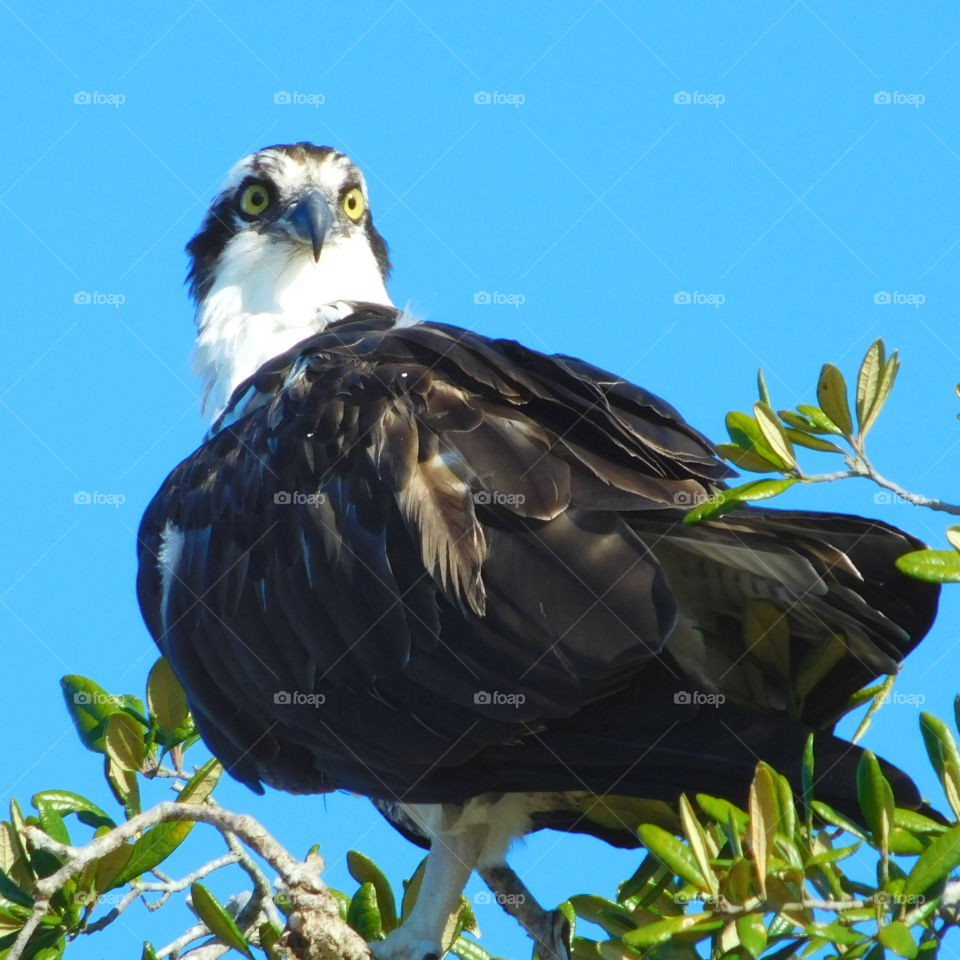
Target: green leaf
[[201, 784], [934, 863], [270, 935], [364, 870], [64, 802], [167, 703], [745, 432], [152, 848], [13, 893], [821, 422], [52, 823], [469, 950], [916, 822], [149, 953], [887, 378], [832, 397], [813, 443], [764, 819], [876, 799], [746, 459], [879, 699], [896, 936], [672, 854], [752, 932], [868, 380], [89, 705], [221, 924], [932, 566], [953, 537], [699, 843], [411, 890], [806, 781], [774, 433], [123, 741], [660, 931], [109, 867], [762, 390], [124, 785], [364, 913], [826, 812], [729, 499]]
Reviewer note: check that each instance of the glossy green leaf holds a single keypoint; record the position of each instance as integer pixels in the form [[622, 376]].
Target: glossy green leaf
[[64, 802], [89, 705], [868, 381], [932, 566], [812, 443], [764, 819], [167, 703], [896, 936], [469, 950], [885, 384], [826, 812], [123, 741], [614, 918], [916, 822], [774, 433], [879, 699], [746, 459], [935, 863], [51, 822], [832, 397], [209, 909], [876, 799], [364, 913], [109, 868], [152, 848], [364, 870], [806, 781], [745, 432], [762, 390], [752, 932], [697, 839], [149, 953], [125, 786], [939, 742], [652, 934], [821, 422], [411, 890], [673, 854], [270, 935], [201, 784], [721, 810], [12, 892], [729, 499]]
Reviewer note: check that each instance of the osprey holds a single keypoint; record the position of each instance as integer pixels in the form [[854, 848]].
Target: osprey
[[449, 572]]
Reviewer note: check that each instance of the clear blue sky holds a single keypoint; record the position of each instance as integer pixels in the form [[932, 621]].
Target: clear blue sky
[[581, 188]]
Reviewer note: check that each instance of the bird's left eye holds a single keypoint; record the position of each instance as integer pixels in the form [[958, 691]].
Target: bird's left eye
[[353, 203], [254, 200]]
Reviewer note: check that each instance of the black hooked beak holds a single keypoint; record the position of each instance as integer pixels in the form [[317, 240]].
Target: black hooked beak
[[309, 219]]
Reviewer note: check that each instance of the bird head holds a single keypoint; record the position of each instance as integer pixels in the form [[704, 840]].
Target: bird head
[[288, 237]]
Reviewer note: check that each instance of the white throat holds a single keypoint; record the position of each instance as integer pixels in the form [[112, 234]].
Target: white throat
[[268, 296]]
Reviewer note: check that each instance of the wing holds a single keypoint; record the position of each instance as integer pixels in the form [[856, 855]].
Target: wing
[[405, 548]]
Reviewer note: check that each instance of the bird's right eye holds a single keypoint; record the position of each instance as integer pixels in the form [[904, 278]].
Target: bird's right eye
[[254, 200]]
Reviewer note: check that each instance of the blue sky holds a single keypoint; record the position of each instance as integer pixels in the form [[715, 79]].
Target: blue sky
[[786, 165]]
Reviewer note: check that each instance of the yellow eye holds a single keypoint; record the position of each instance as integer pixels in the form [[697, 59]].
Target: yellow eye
[[254, 200], [353, 203]]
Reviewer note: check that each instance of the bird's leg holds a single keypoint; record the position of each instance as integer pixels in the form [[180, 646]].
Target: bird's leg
[[451, 861], [549, 929]]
